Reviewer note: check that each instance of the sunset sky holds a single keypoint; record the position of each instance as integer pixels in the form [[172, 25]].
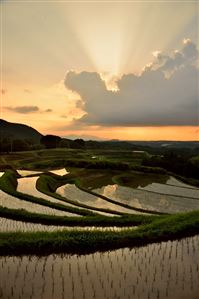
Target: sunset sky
[[110, 69]]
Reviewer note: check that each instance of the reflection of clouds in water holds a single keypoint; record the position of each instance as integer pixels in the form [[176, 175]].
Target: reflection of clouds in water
[[71, 192], [144, 199], [137, 204], [164, 202]]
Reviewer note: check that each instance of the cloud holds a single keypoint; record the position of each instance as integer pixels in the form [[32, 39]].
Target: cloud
[[164, 94], [27, 109], [23, 109]]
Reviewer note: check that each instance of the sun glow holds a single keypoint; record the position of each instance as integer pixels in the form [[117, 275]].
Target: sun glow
[[115, 38], [111, 39]]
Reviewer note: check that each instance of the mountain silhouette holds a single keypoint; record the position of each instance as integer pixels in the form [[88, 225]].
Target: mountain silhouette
[[18, 131]]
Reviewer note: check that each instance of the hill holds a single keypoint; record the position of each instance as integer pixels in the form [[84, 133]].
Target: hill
[[18, 131]]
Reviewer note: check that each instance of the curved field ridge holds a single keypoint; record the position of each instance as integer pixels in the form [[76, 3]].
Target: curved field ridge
[[9, 225], [168, 228], [123, 221]]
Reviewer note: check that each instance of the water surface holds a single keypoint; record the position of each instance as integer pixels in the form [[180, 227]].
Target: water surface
[[168, 270]]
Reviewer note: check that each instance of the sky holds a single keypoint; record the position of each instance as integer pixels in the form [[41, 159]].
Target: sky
[[112, 69]]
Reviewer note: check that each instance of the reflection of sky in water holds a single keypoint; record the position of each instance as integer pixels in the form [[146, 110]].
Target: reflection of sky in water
[[71, 192], [24, 173], [12, 202], [172, 190], [166, 270], [175, 182], [149, 200], [61, 171], [28, 186]]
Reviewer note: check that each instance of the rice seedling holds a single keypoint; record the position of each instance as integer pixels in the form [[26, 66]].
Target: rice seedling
[[152, 271], [9, 225], [9, 201]]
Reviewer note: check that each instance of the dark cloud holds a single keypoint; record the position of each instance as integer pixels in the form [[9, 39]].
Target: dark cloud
[[165, 94], [23, 109]]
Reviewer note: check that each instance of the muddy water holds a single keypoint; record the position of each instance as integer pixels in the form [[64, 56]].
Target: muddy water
[[169, 270]]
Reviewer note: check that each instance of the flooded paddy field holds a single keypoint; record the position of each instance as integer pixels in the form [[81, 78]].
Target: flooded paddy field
[[154, 196], [28, 186], [166, 270], [71, 192], [12, 202]]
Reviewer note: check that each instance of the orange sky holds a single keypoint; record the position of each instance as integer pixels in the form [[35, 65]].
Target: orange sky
[[36, 57]]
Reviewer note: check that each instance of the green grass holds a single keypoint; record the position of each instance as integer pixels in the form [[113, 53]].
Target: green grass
[[23, 215], [168, 228]]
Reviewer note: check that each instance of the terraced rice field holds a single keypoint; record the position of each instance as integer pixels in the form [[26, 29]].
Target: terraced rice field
[[173, 181], [172, 190], [71, 192], [9, 225], [28, 186], [12, 202], [155, 196], [164, 270]]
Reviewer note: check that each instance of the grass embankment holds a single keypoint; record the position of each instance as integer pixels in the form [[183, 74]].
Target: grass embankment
[[167, 228], [8, 183], [23, 215]]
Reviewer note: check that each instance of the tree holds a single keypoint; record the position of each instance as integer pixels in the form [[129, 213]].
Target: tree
[[50, 141]]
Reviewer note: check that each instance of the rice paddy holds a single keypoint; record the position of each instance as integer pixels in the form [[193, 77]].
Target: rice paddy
[[171, 199], [164, 270], [71, 192], [9, 225], [9, 201]]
